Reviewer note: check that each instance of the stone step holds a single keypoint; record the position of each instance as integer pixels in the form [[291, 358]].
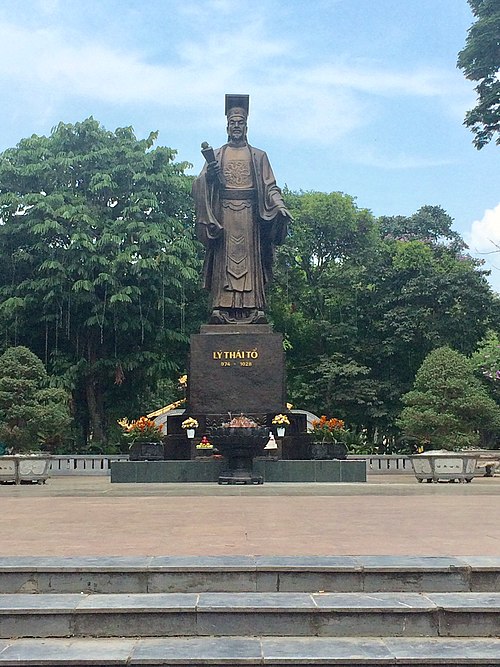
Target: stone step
[[248, 574], [250, 614], [236, 651]]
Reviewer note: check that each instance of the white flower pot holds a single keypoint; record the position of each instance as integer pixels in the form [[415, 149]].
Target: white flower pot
[[436, 465], [280, 431], [24, 468], [190, 433]]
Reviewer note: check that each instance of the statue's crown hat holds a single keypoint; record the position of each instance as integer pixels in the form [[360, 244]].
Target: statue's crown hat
[[236, 104]]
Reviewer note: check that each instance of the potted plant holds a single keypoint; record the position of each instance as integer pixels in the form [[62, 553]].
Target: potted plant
[[190, 425], [145, 439], [280, 422], [328, 438]]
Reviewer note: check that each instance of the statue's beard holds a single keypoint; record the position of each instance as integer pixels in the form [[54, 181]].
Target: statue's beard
[[237, 140]]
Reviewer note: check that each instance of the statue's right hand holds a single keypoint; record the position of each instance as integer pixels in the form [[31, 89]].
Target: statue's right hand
[[213, 169]]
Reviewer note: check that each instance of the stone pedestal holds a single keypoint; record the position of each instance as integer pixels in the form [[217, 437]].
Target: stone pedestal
[[237, 370]]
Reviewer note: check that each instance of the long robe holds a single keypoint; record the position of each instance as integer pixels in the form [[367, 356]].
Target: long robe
[[239, 229]]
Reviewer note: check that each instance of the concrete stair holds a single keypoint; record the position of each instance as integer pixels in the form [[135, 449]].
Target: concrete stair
[[250, 611]]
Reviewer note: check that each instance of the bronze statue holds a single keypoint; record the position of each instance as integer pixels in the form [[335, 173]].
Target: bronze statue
[[240, 218]]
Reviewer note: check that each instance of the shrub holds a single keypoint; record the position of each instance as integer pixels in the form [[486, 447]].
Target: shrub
[[448, 405], [32, 415]]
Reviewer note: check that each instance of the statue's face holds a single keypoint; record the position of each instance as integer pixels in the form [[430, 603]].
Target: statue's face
[[237, 128]]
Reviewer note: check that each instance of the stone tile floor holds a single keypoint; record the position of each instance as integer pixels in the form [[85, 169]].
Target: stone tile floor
[[389, 515]]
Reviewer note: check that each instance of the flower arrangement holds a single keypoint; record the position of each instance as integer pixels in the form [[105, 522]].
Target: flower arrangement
[[240, 422], [141, 430], [190, 423], [204, 444], [328, 430], [281, 420]]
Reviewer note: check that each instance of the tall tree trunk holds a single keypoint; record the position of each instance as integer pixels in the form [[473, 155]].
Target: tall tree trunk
[[95, 408]]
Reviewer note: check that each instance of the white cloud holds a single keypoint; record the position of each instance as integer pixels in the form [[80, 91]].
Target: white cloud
[[484, 235], [313, 103], [71, 64], [364, 77], [397, 160], [483, 240]]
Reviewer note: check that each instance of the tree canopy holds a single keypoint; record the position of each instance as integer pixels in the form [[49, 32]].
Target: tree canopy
[[486, 361], [448, 406], [99, 277], [363, 302], [480, 61], [32, 414], [98, 262]]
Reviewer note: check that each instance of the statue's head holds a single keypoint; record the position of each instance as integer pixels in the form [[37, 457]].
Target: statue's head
[[237, 113]]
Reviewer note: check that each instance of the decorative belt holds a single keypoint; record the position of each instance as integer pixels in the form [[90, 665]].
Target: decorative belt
[[238, 194]]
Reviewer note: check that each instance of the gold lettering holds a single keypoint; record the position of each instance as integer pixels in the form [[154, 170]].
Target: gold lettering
[[235, 354]]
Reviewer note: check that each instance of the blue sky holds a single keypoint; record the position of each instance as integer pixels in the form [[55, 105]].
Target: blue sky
[[357, 96]]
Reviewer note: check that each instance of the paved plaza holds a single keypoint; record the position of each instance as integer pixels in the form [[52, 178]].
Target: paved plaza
[[388, 515]]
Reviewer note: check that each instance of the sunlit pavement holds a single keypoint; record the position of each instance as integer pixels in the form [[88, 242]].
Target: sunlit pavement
[[390, 514]]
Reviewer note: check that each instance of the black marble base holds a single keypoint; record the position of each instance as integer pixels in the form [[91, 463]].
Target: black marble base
[[322, 451], [146, 451], [234, 370], [210, 470]]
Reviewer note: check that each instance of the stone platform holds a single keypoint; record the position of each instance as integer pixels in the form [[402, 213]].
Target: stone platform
[[209, 471]]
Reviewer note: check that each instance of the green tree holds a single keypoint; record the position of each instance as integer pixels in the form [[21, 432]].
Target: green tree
[[313, 301], [31, 413], [344, 387], [363, 301], [486, 362], [480, 61], [448, 405], [425, 292], [99, 263], [429, 224]]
